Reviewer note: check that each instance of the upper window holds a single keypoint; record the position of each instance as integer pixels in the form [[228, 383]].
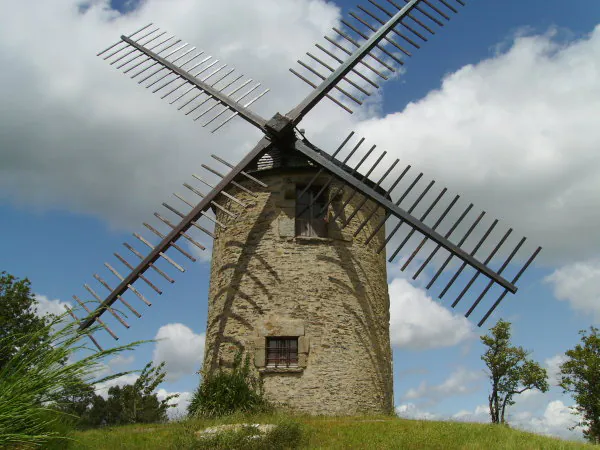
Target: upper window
[[310, 212], [282, 351]]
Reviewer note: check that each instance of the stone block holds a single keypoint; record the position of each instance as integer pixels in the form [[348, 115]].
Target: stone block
[[302, 360], [259, 351], [303, 344], [287, 227], [279, 326]]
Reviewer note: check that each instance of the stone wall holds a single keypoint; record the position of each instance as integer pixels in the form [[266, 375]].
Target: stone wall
[[330, 292]]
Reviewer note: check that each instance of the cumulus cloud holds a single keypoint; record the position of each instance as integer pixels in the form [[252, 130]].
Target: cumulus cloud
[[181, 403], [553, 368], [579, 284], [418, 322], [516, 134], [411, 411], [80, 136], [180, 348], [46, 306], [554, 419], [121, 360], [481, 413], [459, 382], [102, 388]]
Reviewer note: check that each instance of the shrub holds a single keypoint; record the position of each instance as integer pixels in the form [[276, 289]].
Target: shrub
[[225, 391]]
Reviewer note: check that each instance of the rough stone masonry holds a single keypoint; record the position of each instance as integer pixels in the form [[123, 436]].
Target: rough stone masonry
[[328, 292]]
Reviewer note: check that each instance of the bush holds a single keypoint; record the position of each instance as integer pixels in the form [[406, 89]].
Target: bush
[[227, 391]]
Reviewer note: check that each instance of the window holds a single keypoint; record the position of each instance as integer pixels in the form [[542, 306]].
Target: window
[[310, 214], [282, 351]]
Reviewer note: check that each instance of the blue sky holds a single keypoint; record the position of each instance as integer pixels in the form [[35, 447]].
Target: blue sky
[[85, 155]]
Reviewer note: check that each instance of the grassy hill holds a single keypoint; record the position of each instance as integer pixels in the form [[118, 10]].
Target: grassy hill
[[326, 432]]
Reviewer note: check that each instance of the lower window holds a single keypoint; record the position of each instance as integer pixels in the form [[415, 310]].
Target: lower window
[[282, 351]]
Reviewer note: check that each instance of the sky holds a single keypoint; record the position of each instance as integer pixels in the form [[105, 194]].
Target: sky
[[500, 106]]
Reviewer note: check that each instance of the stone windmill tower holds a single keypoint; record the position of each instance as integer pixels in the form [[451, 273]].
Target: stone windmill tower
[[306, 297], [298, 275]]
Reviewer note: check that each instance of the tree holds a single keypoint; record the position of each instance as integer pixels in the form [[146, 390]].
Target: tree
[[510, 371], [580, 376], [131, 403], [18, 316], [75, 398]]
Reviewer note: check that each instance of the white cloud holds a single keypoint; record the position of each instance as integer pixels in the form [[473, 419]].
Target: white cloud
[[516, 134], [579, 284], [553, 368], [418, 322], [102, 145], [121, 360], [480, 414], [411, 411], [47, 306], [555, 421], [180, 348], [102, 388], [181, 402], [459, 382]]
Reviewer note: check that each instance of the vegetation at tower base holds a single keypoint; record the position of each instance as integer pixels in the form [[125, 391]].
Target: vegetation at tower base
[[223, 392], [580, 376], [510, 371]]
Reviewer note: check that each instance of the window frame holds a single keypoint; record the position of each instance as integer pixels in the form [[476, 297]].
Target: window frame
[[309, 224], [290, 357]]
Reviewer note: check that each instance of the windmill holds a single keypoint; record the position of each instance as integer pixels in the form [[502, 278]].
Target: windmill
[[298, 274]]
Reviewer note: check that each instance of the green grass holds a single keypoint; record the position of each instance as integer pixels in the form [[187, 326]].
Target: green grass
[[326, 432]]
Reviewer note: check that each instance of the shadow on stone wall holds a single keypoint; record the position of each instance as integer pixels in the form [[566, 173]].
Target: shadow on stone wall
[[376, 345], [232, 290]]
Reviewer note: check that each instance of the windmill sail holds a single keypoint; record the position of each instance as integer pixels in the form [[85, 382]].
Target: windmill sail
[[197, 84], [361, 185], [168, 240], [367, 49]]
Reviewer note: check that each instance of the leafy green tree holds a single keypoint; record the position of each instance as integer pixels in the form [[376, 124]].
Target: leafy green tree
[[580, 376], [18, 316], [132, 403], [75, 398], [510, 371]]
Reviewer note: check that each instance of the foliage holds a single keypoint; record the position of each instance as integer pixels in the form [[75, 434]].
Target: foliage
[[131, 403], [580, 375], [18, 317], [134, 403], [75, 399], [510, 371], [227, 391], [35, 375]]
